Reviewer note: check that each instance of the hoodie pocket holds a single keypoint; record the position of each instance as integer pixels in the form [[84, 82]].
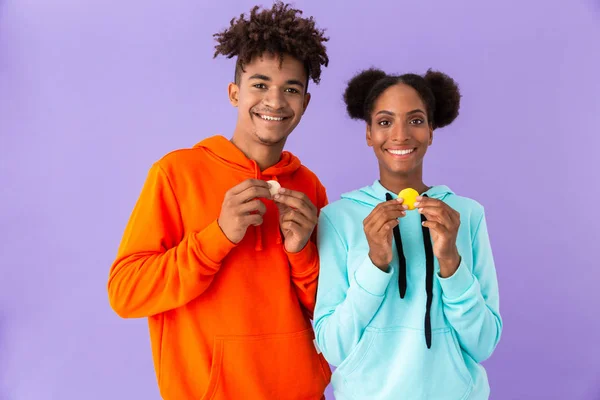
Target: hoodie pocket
[[396, 364], [279, 366]]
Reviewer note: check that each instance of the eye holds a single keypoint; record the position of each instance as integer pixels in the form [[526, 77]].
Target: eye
[[416, 121], [384, 123], [260, 86], [292, 90]]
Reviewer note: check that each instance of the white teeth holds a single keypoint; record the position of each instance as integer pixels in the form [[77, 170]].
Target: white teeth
[[401, 152], [268, 118]]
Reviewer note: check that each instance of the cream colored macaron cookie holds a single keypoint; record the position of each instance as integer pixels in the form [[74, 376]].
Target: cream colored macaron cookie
[[274, 187]]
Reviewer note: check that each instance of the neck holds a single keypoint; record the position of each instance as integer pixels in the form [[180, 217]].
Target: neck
[[397, 182], [265, 155]]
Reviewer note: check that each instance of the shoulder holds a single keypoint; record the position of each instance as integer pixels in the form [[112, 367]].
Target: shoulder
[[463, 203], [471, 211], [182, 162], [345, 209], [180, 157]]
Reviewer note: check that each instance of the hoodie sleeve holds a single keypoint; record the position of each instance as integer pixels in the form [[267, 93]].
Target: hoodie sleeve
[[345, 306], [157, 267], [471, 299], [305, 264]]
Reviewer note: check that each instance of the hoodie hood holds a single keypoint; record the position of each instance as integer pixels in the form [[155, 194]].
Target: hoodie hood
[[376, 194], [224, 151], [231, 157]]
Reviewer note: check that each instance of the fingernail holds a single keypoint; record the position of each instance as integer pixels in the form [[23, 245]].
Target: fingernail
[[400, 199], [417, 203], [405, 206], [276, 196], [281, 190], [419, 198]]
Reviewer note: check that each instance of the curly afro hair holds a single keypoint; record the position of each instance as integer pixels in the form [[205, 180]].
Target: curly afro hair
[[280, 30], [439, 92]]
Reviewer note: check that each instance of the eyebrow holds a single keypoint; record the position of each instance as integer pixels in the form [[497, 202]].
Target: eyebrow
[[415, 111], [268, 79]]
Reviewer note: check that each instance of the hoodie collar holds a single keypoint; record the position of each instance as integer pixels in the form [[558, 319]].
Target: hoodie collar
[[224, 151], [376, 193], [436, 192]]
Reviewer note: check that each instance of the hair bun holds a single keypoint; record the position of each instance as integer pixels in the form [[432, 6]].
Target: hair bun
[[358, 89], [447, 97]]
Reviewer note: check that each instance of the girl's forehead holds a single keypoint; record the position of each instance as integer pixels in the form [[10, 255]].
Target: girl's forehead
[[399, 98]]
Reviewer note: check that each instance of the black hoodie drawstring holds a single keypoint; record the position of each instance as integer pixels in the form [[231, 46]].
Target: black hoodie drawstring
[[428, 279], [402, 283], [401, 259]]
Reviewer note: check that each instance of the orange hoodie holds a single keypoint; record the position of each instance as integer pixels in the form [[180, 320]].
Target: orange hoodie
[[226, 321]]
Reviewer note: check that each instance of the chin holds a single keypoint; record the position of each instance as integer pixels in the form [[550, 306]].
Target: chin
[[401, 172], [270, 139], [400, 169]]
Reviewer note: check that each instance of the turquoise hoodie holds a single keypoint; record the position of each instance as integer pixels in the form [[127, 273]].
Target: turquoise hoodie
[[381, 343]]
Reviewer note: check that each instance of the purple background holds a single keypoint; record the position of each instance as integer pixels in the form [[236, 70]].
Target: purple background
[[92, 92]]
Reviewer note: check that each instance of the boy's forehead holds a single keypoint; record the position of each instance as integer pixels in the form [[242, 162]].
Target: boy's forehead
[[272, 66]]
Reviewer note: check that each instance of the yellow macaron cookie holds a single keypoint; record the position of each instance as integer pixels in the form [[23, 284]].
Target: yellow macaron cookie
[[410, 196]]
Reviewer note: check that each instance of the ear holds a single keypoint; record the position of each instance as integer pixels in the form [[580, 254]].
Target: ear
[[369, 140], [306, 102], [234, 92], [430, 136]]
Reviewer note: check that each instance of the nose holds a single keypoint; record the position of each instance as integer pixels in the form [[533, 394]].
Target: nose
[[400, 133], [274, 99]]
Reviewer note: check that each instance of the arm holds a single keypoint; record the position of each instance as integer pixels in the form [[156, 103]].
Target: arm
[[471, 300], [305, 264], [344, 308], [157, 268], [305, 272]]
